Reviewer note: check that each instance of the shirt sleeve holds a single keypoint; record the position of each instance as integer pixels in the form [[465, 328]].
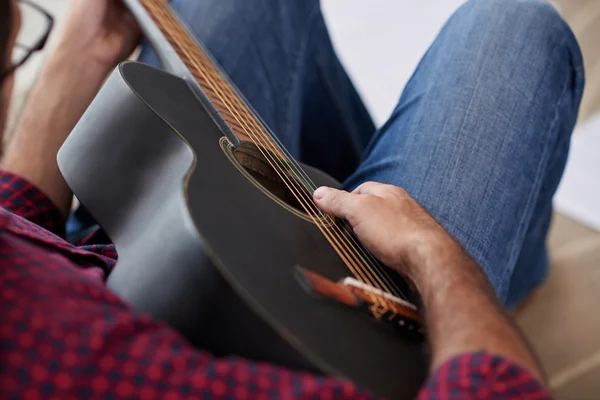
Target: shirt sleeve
[[22, 198], [64, 335], [482, 376]]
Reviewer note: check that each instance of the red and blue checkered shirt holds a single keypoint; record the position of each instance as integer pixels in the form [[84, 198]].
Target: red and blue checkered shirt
[[64, 335]]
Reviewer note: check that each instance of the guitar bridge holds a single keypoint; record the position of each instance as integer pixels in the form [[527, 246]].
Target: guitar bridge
[[380, 305]]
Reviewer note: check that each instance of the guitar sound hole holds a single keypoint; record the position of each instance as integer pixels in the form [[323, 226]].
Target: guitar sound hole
[[249, 159]]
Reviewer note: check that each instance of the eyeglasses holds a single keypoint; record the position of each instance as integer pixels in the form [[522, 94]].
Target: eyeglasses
[[36, 25]]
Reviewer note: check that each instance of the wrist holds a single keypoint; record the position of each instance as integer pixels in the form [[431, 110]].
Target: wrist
[[427, 250], [73, 60], [436, 260]]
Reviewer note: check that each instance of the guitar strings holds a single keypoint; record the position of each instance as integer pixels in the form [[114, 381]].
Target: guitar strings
[[306, 182]]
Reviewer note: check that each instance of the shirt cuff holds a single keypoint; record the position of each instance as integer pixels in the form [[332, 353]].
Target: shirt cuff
[[22, 198], [482, 376]]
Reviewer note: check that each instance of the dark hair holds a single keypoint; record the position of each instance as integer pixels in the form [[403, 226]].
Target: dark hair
[[5, 29]]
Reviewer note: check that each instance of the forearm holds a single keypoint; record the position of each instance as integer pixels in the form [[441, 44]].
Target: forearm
[[65, 88], [463, 314]]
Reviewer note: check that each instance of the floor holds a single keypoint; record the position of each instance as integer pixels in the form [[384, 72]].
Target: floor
[[562, 319], [584, 18]]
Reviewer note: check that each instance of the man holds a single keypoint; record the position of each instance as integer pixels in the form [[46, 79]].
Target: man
[[479, 140]]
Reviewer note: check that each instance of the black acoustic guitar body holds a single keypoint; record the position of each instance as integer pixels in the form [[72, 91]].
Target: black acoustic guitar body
[[206, 249]]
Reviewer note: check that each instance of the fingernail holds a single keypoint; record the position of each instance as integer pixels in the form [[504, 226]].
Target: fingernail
[[320, 193]]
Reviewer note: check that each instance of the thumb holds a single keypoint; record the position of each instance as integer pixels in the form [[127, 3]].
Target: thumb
[[338, 203]]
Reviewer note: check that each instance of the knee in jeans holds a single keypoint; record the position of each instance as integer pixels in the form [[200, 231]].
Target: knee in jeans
[[540, 21], [499, 9], [534, 24]]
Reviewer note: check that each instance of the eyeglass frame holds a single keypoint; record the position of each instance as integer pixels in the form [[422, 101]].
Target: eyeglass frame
[[39, 45]]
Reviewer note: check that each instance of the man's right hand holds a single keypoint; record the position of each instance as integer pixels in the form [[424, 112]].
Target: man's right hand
[[393, 226]]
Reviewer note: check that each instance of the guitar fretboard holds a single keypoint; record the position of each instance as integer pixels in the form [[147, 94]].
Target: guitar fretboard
[[215, 86]]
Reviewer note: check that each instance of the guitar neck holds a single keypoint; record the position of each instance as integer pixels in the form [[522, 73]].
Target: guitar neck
[[209, 77]]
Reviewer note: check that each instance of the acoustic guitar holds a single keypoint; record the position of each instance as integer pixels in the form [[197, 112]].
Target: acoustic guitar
[[217, 231]]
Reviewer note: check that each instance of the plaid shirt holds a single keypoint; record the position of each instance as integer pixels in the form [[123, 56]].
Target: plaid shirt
[[64, 335]]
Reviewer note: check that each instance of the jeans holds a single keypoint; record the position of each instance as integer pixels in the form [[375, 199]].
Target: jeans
[[480, 134]]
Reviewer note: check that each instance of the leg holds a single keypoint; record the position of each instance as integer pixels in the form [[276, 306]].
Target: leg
[[481, 133]]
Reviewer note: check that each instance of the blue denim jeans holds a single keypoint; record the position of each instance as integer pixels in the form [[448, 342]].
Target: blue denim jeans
[[480, 134]]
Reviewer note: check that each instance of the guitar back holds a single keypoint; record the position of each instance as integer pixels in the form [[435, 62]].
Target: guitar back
[[204, 248]]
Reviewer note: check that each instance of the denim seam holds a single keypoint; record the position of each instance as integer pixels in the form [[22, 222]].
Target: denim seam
[[296, 74], [578, 72], [534, 193]]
